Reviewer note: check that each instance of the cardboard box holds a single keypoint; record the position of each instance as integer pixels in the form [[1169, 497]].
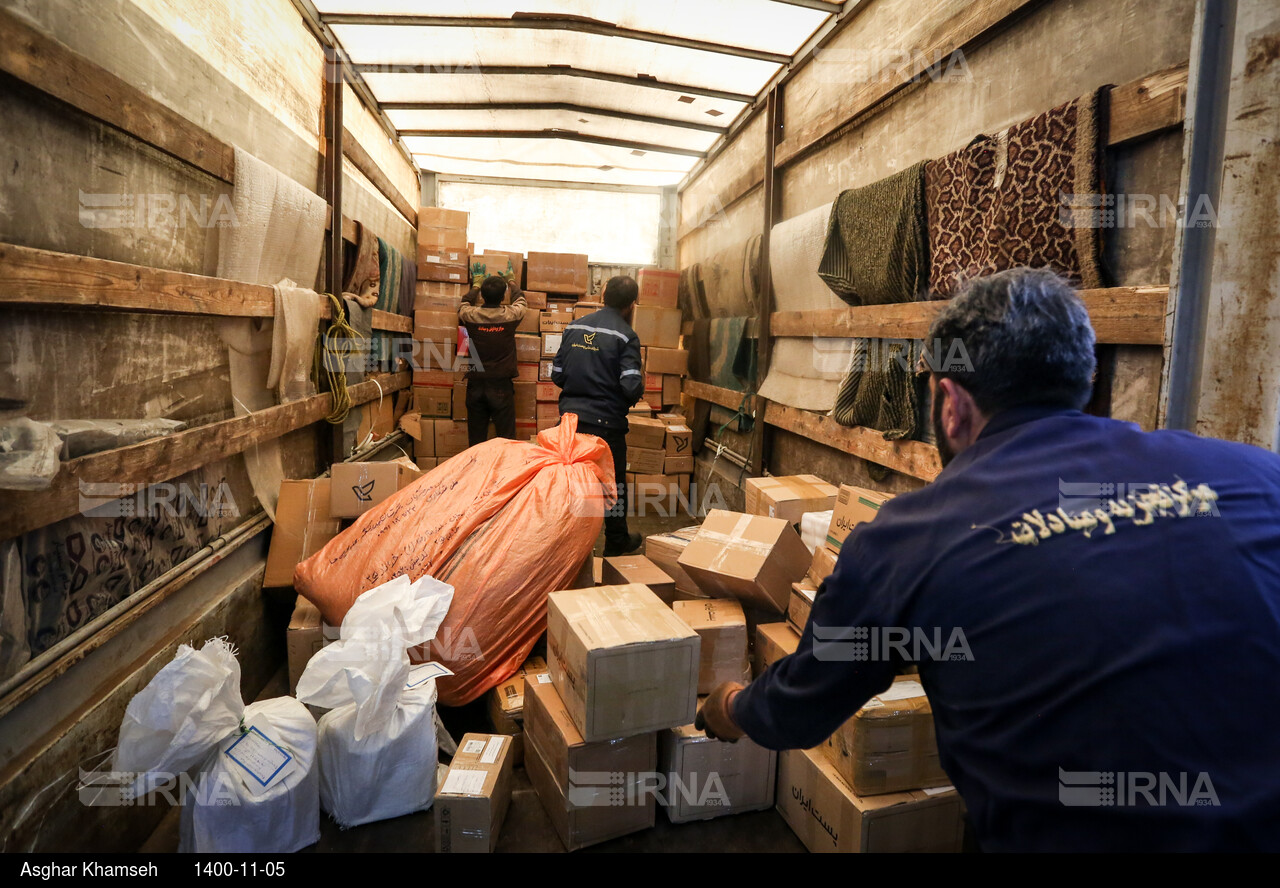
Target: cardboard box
[[548, 392], [646, 434], [582, 809], [664, 550], [624, 570], [853, 506], [659, 287], [525, 428], [722, 626], [526, 400], [551, 344], [678, 465], [505, 703], [828, 816], [824, 562], [434, 378], [460, 400], [433, 401], [653, 382], [472, 800], [377, 420], [582, 309], [426, 463], [527, 371], [434, 319], [544, 424], [663, 490], [889, 745], [444, 272], [773, 642], [679, 439], [500, 262], [356, 487], [657, 327], [744, 775], [801, 604], [544, 370], [303, 638], [528, 349], [666, 360], [558, 273], [752, 558], [442, 228], [438, 296], [645, 462], [654, 400], [531, 322], [535, 299], [451, 438], [554, 322], [672, 388], [622, 662], [789, 496], [422, 431], [548, 411]]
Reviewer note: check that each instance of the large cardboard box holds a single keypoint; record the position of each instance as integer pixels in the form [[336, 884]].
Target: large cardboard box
[[433, 401], [664, 550], [558, 273], [711, 778], [801, 604], [531, 322], [789, 496], [623, 663], [657, 327], [554, 322], [853, 506], [472, 800], [501, 262], [527, 372], [526, 400], [647, 434], [438, 296], [773, 642], [889, 744], [622, 570], [528, 349], [505, 703], [828, 816], [582, 309], [658, 287], [752, 558], [653, 382], [422, 431], [577, 782], [666, 360], [535, 299], [439, 228], [643, 461], [451, 438], [722, 626], [303, 638], [448, 266], [356, 487], [434, 378], [679, 439], [548, 392]]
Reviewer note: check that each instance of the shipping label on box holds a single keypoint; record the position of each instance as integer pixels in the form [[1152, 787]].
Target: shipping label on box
[[433, 401], [472, 800], [889, 745], [657, 327], [749, 557], [744, 775], [828, 816], [645, 462], [658, 287], [528, 348], [722, 626], [551, 344], [789, 496], [673, 361], [647, 434], [303, 526], [621, 676], [853, 506], [624, 570], [773, 642], [544, 370]]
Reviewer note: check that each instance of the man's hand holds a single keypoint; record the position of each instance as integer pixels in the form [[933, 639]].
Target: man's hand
[[715, 718]]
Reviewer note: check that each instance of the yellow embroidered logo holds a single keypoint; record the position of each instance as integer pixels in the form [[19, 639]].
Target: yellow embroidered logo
[[589, 338]]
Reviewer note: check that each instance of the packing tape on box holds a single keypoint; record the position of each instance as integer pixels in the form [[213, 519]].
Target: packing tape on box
[[733, 542]]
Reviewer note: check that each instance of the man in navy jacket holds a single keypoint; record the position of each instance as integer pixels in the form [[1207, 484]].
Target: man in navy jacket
[[1094, 610]]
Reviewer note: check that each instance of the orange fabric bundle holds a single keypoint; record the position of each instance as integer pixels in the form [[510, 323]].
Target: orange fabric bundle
[[504, 523]]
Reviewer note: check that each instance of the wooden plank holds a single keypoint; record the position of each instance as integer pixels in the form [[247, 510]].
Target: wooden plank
[[723, 397], [914, 458], [47, 279], [961, 31], [1147, 106], [1120, 316], [761, 440], [69, 77], [361, 160], [161, 459]]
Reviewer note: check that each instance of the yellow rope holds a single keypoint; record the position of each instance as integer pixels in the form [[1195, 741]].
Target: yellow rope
[[336, 346]]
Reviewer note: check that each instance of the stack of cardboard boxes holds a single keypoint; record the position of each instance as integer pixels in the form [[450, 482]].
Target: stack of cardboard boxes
[[659, 461], [444, 277], [657, 321], [559, 281]]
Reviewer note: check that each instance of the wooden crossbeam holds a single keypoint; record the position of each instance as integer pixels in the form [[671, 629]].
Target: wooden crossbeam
[[914, 458], [723, 397]]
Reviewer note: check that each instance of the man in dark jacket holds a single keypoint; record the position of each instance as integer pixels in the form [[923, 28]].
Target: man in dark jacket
[[491, 329], [599, 372], [1094, 609]]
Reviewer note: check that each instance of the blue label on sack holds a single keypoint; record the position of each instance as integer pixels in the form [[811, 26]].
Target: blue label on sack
[[260, 757]]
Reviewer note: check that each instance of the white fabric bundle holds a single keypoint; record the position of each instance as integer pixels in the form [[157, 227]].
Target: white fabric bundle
[[378, 741]]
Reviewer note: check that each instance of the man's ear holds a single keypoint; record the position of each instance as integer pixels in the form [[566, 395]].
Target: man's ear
[[961, 418]]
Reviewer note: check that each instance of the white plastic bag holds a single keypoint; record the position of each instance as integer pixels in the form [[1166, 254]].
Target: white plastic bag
[[226, 813], [378, 741], [192, 715], [814, 527]]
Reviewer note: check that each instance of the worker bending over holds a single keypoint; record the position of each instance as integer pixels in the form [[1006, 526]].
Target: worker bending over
[[491, 329], [1100, 606], [599, 372]]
